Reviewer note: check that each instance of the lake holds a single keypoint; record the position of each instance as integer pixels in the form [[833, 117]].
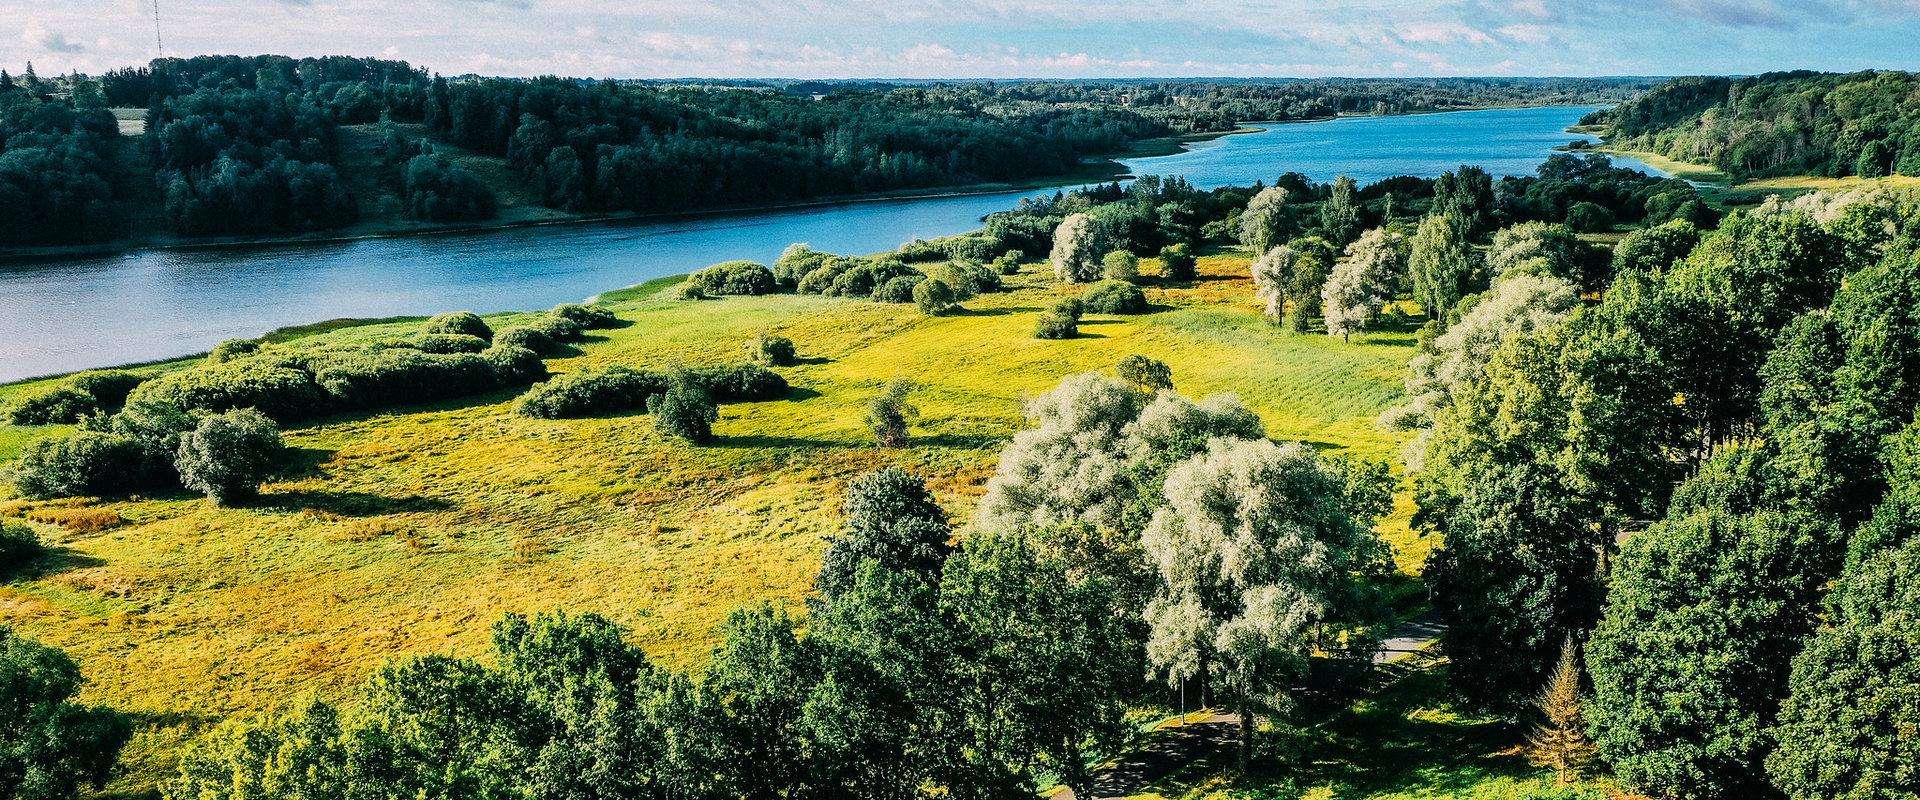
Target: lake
[[80, 313]]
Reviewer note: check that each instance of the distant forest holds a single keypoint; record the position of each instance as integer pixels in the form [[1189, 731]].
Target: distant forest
[[1780, 123], [251, 145]]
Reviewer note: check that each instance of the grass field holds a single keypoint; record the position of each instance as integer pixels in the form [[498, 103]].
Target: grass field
[[411, 531]]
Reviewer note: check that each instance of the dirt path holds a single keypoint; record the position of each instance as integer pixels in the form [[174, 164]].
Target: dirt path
[[1174, 747]]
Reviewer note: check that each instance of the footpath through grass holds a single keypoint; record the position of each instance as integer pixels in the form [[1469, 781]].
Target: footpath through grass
[[411, 531]]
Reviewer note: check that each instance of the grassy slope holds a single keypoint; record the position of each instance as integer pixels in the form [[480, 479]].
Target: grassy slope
[[411, 531]]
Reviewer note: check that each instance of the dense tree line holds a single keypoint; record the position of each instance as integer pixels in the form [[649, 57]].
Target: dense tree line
[[1736, 407], [1780, 123], [57, 175]]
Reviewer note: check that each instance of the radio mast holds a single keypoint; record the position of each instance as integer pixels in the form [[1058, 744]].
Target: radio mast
[[160, 49]]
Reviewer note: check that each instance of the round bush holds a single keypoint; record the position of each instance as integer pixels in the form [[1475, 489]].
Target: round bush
[[1120, 265], [19, 546], [934, 297], [771, 350], [61, 404], [1177, 263], [559, 329], [85, 463], [465, 323], [232, 349], [735, 278], [227, 455], [1008, 263], [1055, 325], [588, 317], [530, 338], [685, 411], [280, 392], [898, 290], [1115, 297], [740, 382]]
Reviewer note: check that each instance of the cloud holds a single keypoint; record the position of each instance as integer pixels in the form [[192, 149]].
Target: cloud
[[51, 41]]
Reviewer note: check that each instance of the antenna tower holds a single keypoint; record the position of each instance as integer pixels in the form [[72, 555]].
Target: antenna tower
[[157, 46]]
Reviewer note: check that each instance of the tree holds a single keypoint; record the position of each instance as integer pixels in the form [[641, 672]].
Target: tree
[[891, 520], [1442, 265], [1515, 306], [1340, 214], [1465, 194], [1560, 741], [1260, 561], [685, 411], [889, 414], [1522, 248], [1267, 221], [1518, 567], [227, 455], [770, 350], [1845, 729], [1146, 375], [1691, 658], [1077, 247], [50, 746], [1177, 262], [1653, 250], [1272, 277], [753, 698], [1120, 265], [934, 297], [1362, 284], [1048, 649], [1313, 261]]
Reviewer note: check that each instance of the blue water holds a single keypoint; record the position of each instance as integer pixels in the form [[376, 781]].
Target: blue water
[[80, 313]]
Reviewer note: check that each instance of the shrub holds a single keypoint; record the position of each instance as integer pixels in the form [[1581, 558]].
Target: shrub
[[465, 323], [444, 343], [971, 248], [819, 279], [82, 464], [685, 411], [796, 261], [967, 280], [1146, 375], [280, 392], [19, 546], [60, 404], [228, 455], [1054, 325], [514, 365], [692, 291], [1177, 263], [590, 392], [1008, 263], [739, 382], [860, 279], [1120, 265], [898, 289], [587, 317], [934, 297], [770, 350], [559, 329], [889, 414], [232, 350], [404, 377], [66, 402], [1115, 297], [735, 278], [109, 387], [528, 337]]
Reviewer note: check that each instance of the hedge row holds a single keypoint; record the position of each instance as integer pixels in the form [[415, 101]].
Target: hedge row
[[618, 389], [304, 385], [64, 403]]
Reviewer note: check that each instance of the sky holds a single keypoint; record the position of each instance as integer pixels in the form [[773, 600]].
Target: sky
[[989, 38]]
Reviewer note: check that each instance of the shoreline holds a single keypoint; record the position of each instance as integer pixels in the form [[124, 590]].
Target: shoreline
[[1092, 171], [1108, 164]]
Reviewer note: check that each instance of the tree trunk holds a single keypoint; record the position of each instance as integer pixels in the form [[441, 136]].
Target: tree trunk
[[1246, 735]]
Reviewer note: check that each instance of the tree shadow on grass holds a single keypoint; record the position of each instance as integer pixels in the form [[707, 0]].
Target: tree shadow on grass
[[992, 312], [964, 441], [772, 442], [346, 504], [51, 561], [811, 360]]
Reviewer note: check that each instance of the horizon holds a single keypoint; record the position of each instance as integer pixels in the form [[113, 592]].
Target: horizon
[[996, 40]]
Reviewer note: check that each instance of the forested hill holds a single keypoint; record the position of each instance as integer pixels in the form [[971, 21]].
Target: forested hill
[[1781, 123], [265, 146]]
